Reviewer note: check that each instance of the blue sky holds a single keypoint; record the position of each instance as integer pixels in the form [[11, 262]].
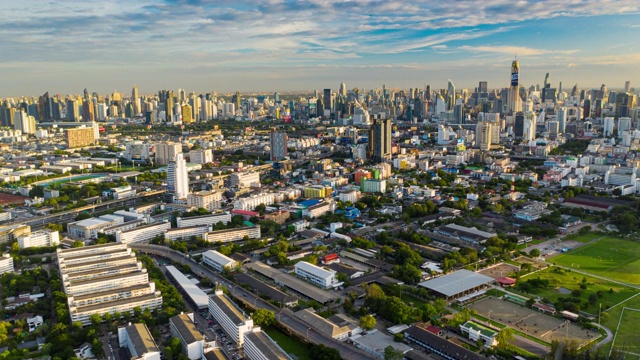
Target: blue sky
[[268, 45]]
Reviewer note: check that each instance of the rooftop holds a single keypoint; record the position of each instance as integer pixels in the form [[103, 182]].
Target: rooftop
[[266, 346], [186, 328], [229, 308], [141, 339], [321, 324], [436, 342], [456, 282], [196, 295], [314, 270]]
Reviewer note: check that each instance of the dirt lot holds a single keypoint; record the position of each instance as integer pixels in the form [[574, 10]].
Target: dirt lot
[[534, 263], [534, 323], [499, 270]]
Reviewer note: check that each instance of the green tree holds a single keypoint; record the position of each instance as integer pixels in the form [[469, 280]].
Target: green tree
[[534, 253], [504, 337], [367, 322], [4, 326], [390, 353], [264, 317]]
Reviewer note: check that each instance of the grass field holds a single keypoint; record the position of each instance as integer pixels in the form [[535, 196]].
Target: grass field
[[627, 337], [289, 344], [584, 238], [626, 327], [610, 257], [571, 281]]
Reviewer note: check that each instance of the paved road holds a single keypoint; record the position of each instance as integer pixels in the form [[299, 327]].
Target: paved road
[[285, 317], [606, 339], [530, 346]]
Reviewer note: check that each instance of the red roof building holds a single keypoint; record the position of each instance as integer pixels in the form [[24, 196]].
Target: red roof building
[[330, 259], [506, 281]]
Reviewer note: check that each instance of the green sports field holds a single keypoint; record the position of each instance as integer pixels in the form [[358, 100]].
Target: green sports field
[[627, 337], [611, 257]]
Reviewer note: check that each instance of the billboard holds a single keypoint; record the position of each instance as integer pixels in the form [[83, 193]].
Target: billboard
[[514, 79]]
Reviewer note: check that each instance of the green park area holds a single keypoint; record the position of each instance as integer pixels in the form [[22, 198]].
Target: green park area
[[290, 344], [610, 257], [627, 338], [575, 292], [584, 237]]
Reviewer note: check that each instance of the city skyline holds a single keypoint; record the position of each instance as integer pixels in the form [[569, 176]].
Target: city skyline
[[265, 45]]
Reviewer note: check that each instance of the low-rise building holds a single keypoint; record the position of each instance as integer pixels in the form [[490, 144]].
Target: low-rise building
[[6, 264], [316, 275], [230, 317], [477, 332], [185, 233], [183, 327], [40, 238], [139, 342], [142, 234], [319, 209], [218, 261], [259, 346], [210, 220], [210, 200], [237, 234]]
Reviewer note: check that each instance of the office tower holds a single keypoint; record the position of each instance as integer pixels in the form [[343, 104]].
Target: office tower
[[627, 86], [560, 88], [598, 108], [574, 91], [451, 95], [279, 143], [518, 128], [529, 130], [79, 137], [186, 114], [343, 89], [328, 104], [624, 124], [168, 106], [561, 118], [166, 152], [73, 113], [483, 135], [236, 99], [87, 111], [45, 104], [23, 122], [624, 102], [586, 109], [458, 114], [135, 100], [380, 140], [553, 128], [607, 130], [177, 177], [515, 104]]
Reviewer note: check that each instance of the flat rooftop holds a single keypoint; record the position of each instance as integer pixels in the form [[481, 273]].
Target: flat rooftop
[[105, 278], [456, 282], [110, 292], [125, 256], [197, 296], [261, 288], [267, 346], [141, 339], [108, 304], [186, 328], [101, 272], [229, 308]]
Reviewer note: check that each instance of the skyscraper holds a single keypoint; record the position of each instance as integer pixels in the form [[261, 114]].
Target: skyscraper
[[177, 177], [483, 135], [380, 140], [627, 86], [135, 99], [518, 128], [73, 113], [561, 118], [278, 143], [586, 110], [343, 89], [624, 103], [451, 95], [167, 152], [328, 105], [515, 104]]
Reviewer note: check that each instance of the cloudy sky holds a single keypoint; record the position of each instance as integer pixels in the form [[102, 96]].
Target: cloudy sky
[[268, 45]]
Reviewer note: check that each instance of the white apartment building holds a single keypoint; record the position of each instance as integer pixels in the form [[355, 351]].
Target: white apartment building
[[39, 239], [89, 228], [232, 319], [250, 203], [319, 209], [183, 327], [374, 186], [210, 200], [139, 341], [316, 275], [167, 152], [104, 279], [228, 235], [112, 230], [201, 156], [259, 346], [209, 220], [243, 180], [142, 234], [218, 261], [353, 196], [6, 264], [186, 232], [178, 177]]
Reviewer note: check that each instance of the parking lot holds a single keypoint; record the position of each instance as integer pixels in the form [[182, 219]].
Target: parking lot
[[545, 327]]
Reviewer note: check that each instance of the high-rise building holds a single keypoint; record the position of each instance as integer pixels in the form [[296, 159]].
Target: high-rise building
[[561, 118], [279, 145], [343, 89], [186, 114], [73, 113], [515, 103], [135, 100], [624, 103], [380, 140], [87, 111], [236, 99], [25, 123], [483, 135], [518, 128], [586, 109], [627, 86], [451, 95], [178, 178], [79, 137], [327, 100], [608, 126], [458, 114], [529, 129], [553, 128], [166, 152]]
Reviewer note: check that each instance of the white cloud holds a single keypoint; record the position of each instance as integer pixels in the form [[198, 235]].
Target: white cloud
[[515, 50]]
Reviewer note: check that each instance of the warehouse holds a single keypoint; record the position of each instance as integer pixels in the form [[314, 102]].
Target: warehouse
[[458, 284]]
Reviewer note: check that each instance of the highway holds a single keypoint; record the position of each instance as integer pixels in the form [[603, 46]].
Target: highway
[[285, 317], [65, 216]]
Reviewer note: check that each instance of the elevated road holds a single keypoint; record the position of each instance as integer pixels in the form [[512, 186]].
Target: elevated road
[[285, 317]]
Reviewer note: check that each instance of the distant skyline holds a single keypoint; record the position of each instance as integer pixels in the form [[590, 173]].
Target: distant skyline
[[270, 45]]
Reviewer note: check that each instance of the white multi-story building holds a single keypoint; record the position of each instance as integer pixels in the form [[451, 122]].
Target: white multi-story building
[[352, 196], [142, 234], [89, 228], [250, 203], [374, 186], [243, 180], [319, 209], [259, 346], [316, 275], [137, 151], [185, 233], [609, 124], [210, 200], [39, 239], [208, 220], [201, 156], [228, 235], [167, 152], [139, 341], [232, 319], [217, 260], [183, 327], [178, 177], [6, 264], [104, 279]]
